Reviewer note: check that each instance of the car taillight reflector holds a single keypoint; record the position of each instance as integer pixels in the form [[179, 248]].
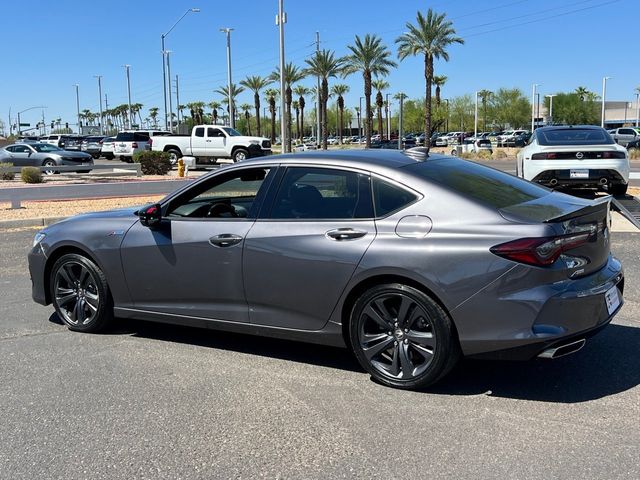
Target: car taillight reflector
[[613, 155], [539, 252], [544, 156], [134, 145]]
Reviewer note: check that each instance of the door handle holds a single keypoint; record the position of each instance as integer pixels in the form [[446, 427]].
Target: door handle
[[225, 240], [345, 234]]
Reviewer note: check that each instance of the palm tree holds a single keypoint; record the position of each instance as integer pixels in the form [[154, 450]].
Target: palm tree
[[255, 84], [582, 92], [325, 65], [431, 37], [245, 107], [181, 109], [235, 91], [197, 112], [296, 106], [380, 85], [292, 74], [271, 95], [371, 57], [301, 91], [484, 96], [340, 89], [214, 106], [439, 81], [136, 108], [153, 113]]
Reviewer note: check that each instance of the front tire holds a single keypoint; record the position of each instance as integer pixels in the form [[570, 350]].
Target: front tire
[[240, 154], [80, 294], [402, 337]]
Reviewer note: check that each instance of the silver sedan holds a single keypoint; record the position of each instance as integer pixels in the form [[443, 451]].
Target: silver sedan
[[46, 155]]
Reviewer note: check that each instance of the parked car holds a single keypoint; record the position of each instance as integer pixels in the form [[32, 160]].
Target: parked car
[[129, 142], [93, 145], [470, 145], [408, 263], [332, 141], [517, 140], [303, 147], [108, 145], [508, 137], [209, 142], [575, 156], [53, 139], [625, 135], [47, 155]]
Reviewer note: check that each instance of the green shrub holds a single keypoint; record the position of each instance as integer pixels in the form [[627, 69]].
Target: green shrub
[[153, 163], [31, 175], [5, 171]]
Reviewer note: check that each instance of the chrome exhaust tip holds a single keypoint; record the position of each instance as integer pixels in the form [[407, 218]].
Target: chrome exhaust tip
[[604, 181], [562, 350], [553, 182]]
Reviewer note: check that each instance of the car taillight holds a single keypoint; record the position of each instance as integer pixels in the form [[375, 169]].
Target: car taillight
[[100, 142], [539, 252], [150, 142], [134, 145], [613, 155], [544, 156]]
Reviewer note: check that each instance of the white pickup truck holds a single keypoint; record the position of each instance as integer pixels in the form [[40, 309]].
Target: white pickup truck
[[207, 143]]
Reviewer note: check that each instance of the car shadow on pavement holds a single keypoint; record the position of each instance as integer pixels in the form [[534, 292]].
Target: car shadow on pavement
[[608, 364]]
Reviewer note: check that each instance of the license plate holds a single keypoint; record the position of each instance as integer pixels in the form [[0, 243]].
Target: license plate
[[612, 299], [579, 173]]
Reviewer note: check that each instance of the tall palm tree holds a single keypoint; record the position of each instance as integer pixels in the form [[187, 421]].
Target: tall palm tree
[[153, 114], [370, 57], [431, 37], [582, 92], [296, 107], [484, 97], [271, 96], [256, 83], [439, 81], [339, 90], [214, 106], [235, 91], [325, 65], [292, 74], [380, 85], [136, 108], [245, 107], [301, 91]]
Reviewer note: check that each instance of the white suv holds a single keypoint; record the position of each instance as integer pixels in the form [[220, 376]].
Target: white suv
[[575, 156], [129, 142]]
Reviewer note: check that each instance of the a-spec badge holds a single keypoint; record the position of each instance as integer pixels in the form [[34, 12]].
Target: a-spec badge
[[114, 233]]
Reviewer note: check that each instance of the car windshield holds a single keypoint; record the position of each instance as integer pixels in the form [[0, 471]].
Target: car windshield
[[231, 132], [45, 147], [574, 136]]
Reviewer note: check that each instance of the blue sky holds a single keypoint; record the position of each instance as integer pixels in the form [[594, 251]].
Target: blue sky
[[49, 46]]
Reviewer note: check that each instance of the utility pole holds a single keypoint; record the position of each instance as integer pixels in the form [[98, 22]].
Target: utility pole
[[78, 105], [637, 108], [533, 107], [99, 77], [232, 113], [550, 97], [127, 67], [281, 19], [177, 105], [400, 119], [604, 94], [318, 117], [168, 55], [475, 120], [388, 110]]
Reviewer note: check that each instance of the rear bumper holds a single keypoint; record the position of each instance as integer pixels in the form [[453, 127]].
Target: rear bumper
[[518, 323], [597, 177]]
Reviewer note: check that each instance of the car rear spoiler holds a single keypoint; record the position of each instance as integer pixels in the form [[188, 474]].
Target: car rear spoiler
[[555, 207], [595, 206]]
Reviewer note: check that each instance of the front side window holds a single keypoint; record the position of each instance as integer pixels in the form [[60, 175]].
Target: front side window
[[230, 195], [199, 132], [322, 194], [45, 147]]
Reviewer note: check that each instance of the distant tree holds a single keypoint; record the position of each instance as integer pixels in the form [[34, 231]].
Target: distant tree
[[510, 107], [582, 93], [256, 84], [379, 84], [292, 74], [570, 109], [439, 81], [153, 114], [484, 98], [214, 106], [245, 107], [301, 91], [339, 90], [224, 92], [271, 96]]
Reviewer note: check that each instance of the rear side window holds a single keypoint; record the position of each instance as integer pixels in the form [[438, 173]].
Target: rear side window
[[574, 136], [141, 137], [124, 137], [483, 184], [486, 143], [389, 198]]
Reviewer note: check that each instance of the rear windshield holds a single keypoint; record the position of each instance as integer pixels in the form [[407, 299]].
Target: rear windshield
[[574, 136], [483, 184], [484, 142], [132, 137]]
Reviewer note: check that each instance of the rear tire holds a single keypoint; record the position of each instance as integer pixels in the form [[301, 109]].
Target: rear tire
[[80, 294], [49, 163], [402, 337], [174, 155]]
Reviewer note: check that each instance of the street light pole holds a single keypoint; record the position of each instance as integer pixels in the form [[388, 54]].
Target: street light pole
[[177, 105], [281, 19], [604, 94], [388, 109], [99, 77], [164, 67], [78, 105], [400, 121], [232, 116], [168, 61], [30, 108], [318, 117], [127, 67], [475, 119], [637, 108], [550, 97], [533, 107]]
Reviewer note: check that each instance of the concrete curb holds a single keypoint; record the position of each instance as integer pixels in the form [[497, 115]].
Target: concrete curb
[[29, 222]]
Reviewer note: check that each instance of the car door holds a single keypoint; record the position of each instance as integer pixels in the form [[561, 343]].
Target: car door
[[20, 155], [217, 142], [299, 258], [191, 264], [199, 142]]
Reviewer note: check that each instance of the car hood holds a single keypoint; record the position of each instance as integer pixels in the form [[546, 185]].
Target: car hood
[[259, 140]]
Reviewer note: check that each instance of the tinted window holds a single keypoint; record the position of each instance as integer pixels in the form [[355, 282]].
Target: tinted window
[[45, 147], [486, 185], [485, 143], [124, 137], [574, 136], [199, 132], [390, 198], [627, 131], [322, 193], [141, 136], [214, 132]]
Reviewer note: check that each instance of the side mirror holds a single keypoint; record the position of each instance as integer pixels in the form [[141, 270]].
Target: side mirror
[[151, 215]]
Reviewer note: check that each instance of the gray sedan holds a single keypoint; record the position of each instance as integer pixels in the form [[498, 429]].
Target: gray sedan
[[410, 262], [46, 155]]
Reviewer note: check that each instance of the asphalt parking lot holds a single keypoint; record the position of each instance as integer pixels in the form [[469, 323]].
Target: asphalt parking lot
[[156, 401]]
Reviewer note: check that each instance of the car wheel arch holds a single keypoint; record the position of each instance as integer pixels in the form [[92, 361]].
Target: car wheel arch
[[363, 285], [58, 252]]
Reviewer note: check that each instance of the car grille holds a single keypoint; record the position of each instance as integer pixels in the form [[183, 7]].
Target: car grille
[[266, 144]]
